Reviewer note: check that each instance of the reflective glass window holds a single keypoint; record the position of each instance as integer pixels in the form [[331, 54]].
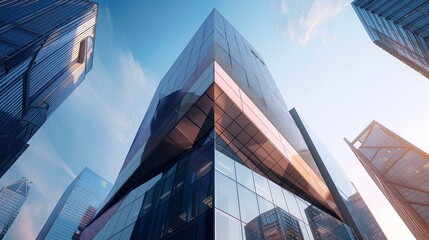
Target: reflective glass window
[[227, 227], [277, 193], [179, 210], [304, 231], [244, 176], [226, 194], [224, 164], [262, 187], [126, 234], [122, 218], [291, 203], [248, 204], [302, 206], [264, 205], [135, 209]]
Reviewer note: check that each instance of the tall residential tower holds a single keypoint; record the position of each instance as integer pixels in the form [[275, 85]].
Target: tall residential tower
[[217, 156], [400, 170], [12, 198], [46, 49], [400, 27]]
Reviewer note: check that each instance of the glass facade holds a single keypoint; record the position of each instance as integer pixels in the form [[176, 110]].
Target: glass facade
[[217, 155], [12, 198], [46, 49], [400, 27], [76, 206], [400, 170]]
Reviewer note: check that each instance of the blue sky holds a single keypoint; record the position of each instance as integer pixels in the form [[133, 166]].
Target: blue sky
[[317, 51]]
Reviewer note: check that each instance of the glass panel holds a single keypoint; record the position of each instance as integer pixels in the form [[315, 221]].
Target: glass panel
[[126, 234], [226, 194], [262, 187], [264, 205], [276, 192], [244, 176], [227, 228], [122, 219], [302, 206], [224, 164], [135, 209], [291, 203], [248, 204], [179, 210]]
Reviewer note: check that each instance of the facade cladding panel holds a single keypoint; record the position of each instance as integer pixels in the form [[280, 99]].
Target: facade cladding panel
[[76, 206], [400, 27], [216, 134], [12, 198], [401, 172], [46, 49]]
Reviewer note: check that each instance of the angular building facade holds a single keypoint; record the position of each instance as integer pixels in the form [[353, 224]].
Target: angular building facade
[[217, 156], [12, 198], [400, 27], [76, 206], [353, 208], [400, 170], [46, 49]]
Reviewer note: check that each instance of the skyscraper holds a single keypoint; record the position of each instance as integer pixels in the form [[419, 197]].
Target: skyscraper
[[46, 49], [12, 198], [76, 206], [353, 208], [400, 170], [216, 150], [400, 27]]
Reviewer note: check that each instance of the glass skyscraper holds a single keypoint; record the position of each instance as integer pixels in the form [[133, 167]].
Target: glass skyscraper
[[400, 170], [46, 49], [217, 156], [12, 198], [400, 27], [76, 206]]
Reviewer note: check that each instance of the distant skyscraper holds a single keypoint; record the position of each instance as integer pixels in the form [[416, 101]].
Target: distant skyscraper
[[325, 227], [12, 198], [353, 208], [364, 219], [400, 170], [76, 206], [400, 27], [217, 151], [46, 49]]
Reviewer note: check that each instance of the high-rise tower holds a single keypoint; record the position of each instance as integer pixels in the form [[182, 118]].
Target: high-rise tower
[[400, 170], [400, 27], [12, 198], [76, 206], [46, 49], [217, 156]]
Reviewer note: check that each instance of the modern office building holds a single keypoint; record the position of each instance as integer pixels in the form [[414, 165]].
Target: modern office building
[[12, 198], [76, 207], [217, 154], [400, 170], [46, 49], [353, 208], [400, 27]]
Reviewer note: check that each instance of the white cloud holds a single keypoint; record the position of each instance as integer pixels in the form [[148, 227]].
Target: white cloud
[[283, 6], [307, 18]]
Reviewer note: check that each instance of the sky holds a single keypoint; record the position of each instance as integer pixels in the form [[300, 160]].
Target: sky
[[318, 52]]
